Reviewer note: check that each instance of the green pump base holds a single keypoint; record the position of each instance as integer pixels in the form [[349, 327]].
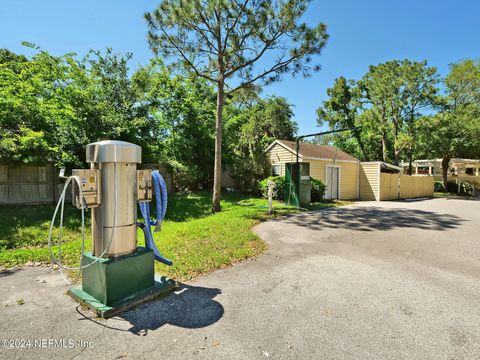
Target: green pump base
[[111, 286]]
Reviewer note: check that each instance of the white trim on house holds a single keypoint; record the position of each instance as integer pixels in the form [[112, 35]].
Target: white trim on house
[[277, 142], [339, 192]]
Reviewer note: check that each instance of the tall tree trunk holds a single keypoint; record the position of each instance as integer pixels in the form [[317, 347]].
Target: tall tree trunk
[[411, 132], [396, 159], [217, 172], [396, 151], [362, 149], [410, 162], [360, 142], [384, 146], [445, 164]]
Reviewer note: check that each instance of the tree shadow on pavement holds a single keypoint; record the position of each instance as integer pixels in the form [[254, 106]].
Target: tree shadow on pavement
[[8, 272], [374, 218], [188, 307]]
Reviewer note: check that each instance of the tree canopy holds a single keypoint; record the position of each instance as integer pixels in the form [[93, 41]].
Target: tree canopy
[[235, 45], [404, 110], [52, 106]]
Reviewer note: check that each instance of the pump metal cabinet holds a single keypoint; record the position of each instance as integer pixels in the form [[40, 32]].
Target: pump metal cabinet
[[298, 186]]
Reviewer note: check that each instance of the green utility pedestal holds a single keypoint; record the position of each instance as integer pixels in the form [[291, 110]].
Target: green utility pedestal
[[298, 186], [110, 286]]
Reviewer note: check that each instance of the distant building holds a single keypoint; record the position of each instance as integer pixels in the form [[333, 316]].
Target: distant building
[[456, 167], [338, 170], [344, 176]]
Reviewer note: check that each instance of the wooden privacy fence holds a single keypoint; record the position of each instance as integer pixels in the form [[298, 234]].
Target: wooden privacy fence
[[399, 186], [388, 186], [29, 185], [415, 186]]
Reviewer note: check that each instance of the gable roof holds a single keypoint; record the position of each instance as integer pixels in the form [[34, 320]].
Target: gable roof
[[308, 150]]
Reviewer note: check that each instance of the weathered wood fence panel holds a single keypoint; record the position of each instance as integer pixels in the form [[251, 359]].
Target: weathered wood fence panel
[[388, 186], [29, 185], [416, 186]]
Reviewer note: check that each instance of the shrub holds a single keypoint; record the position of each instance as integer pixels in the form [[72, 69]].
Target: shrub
[[278, 192], [438, 186], [452, 187], [318, 190], [317, 193], [187, 178]]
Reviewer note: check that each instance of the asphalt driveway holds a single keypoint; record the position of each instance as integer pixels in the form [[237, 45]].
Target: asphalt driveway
[[389, 280]]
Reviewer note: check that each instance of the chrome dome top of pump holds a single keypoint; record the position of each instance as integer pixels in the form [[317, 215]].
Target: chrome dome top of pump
[[113, 151]]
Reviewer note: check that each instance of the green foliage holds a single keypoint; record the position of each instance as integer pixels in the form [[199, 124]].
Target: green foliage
[[403, 117], [438, 186], [455, 130], [250, 131], [224, 40], [228, 43], [340, 111], [31, 104], [189, 177], [183, 111], [386, 106], [278, 191], [51, 107], [318, 190]]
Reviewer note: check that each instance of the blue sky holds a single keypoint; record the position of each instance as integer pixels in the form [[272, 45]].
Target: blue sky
[[361, 33]]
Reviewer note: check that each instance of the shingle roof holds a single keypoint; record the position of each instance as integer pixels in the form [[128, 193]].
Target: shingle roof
[[318, 151]]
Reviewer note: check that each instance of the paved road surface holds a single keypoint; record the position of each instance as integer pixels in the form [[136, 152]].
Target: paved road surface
[[390, 280]]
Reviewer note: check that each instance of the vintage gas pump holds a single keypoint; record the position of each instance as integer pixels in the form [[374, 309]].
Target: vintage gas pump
[[117, 273]]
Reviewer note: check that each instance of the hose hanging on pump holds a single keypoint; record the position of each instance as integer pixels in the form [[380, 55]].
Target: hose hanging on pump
[[160, 190], [61, 206]]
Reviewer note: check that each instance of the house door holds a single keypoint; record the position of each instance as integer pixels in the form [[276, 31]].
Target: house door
[[332, 191]]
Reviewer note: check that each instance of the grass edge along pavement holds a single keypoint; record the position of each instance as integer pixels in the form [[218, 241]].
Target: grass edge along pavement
[[196, 240]]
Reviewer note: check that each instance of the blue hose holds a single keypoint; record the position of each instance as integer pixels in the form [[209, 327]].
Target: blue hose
[[160, 189]]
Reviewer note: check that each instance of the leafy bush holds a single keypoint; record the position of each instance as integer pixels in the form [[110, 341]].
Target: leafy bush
[[318, 190], [187, 178], [438, 186], [317, 193], [278, 191], [452, 187]]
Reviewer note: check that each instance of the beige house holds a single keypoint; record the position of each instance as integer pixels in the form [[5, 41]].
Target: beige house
[[347, 178], [335, 168]]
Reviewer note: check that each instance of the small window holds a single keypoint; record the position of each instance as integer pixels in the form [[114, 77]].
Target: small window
[[275, 170]]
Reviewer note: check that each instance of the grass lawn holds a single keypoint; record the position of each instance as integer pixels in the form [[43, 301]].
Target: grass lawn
[[196, 240], [449, 195]]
